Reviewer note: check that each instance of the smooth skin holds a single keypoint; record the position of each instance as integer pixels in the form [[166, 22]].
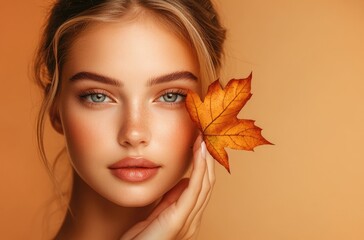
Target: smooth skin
[[178, 216], [122, 95]]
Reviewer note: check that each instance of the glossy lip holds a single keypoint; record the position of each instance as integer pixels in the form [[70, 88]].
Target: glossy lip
[[134, 169]]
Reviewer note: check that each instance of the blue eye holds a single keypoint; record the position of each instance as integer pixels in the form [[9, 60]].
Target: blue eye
[[98, 97], [172, 97], [95, 97]]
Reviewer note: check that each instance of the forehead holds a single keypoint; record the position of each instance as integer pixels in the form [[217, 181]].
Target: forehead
[[138, 48]]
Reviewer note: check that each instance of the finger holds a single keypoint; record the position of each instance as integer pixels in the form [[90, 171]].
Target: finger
[[197, 143], [189, 197], [211, 167], [169, 198], [206, 186], [193, 221], [185, 204], [173, 195], [209, 177]]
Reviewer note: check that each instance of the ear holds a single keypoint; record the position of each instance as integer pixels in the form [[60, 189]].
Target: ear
[[55, 118]]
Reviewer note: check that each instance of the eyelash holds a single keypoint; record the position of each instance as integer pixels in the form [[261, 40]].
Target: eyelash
[[83, 96], [180, 92]]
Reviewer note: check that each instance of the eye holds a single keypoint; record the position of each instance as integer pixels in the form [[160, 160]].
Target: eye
[[170, 97], [173, 96], [98, 97], [95, 97]]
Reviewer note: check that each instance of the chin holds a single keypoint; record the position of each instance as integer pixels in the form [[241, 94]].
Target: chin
[[138, 203], [136, 198]]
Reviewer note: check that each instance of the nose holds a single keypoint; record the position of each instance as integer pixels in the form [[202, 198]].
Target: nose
[[134, 130]]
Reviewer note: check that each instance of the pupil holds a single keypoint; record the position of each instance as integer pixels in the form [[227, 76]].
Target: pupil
[[98, 97], [170, 97]]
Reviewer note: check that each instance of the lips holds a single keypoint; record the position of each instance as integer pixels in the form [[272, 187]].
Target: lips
[[134, 169]]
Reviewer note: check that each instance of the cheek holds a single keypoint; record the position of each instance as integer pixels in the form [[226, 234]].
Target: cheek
[[78, 136], [176, 134], [85, 134]]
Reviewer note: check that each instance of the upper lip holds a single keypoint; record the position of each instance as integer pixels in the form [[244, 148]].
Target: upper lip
[[133, 162]]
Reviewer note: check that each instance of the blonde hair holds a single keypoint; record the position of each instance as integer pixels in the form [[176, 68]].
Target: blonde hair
[[194, 20]]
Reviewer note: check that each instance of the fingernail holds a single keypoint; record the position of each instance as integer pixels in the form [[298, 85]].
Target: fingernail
[[203, 149]]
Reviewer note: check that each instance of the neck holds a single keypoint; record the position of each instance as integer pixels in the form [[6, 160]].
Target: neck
[[94, 217]]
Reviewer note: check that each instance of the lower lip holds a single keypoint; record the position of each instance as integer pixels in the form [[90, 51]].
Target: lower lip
[[135, 174]]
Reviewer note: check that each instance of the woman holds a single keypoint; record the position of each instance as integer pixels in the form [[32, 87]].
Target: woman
[[115, 75]]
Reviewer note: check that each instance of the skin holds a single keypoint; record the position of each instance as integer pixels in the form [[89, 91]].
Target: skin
[[106, 122]]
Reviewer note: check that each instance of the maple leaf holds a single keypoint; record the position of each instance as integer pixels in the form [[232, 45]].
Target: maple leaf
[[216, 117]]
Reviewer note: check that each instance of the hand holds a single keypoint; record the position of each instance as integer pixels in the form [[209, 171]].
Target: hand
[[179, 213]]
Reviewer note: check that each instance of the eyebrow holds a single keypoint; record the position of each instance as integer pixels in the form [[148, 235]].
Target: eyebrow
[[172, 77], [179, 75], [95, 77]]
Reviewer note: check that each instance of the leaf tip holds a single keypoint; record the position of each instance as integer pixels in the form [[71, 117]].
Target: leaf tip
[[265, 141], [215, 84], [268, 143], [250, 75], [226, 166]]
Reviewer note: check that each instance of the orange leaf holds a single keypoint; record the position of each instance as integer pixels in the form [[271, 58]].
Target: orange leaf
[[216, 117]]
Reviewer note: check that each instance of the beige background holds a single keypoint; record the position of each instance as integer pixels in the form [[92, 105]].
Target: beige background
[[307, 60]]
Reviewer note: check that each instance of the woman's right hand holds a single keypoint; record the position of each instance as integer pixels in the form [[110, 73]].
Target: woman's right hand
[[179, 213]]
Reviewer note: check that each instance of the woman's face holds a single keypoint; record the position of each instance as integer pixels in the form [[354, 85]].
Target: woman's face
[[122, 109]]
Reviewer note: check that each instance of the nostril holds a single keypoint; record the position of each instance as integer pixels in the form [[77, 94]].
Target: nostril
[[134, 138], [134, 126]]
